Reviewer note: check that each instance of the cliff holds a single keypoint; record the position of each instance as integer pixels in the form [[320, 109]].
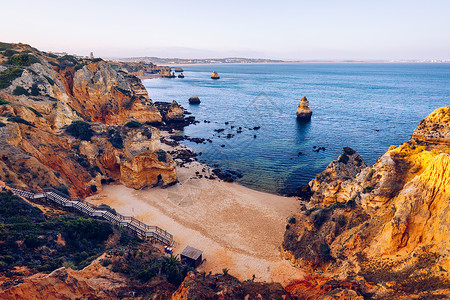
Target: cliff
[[41, 94], [385, 225]]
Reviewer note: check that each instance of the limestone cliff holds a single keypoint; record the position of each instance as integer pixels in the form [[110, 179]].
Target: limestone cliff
[[42, 94], [386, 224]]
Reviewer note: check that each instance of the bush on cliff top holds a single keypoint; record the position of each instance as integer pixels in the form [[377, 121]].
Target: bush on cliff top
[[5, 46], [20, 90], [17, 119], [162, 155], [115, 138], [9, 53], [22, 59], [7, 77], [133, 124], [3, 101], [80, 130]]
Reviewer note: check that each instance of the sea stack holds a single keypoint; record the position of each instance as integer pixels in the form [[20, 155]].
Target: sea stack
[[303, 111], [215, 75], [194, 100]]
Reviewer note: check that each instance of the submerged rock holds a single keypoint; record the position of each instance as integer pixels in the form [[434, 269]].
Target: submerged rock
[[303, 111]]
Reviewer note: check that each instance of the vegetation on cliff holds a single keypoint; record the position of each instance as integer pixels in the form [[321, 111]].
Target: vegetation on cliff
[[45, 242]]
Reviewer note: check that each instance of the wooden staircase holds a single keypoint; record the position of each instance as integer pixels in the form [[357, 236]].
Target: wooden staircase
[[153, 233]]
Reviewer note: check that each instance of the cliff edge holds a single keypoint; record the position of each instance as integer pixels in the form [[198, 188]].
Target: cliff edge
[[383, 227]]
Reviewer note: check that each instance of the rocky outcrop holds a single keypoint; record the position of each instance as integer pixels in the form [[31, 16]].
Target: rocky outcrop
[[175, 112], [194, 100], [200, 286], [335, 183], [303, 111], [55, 91], [435, 128], [215, 75], [386, 223]]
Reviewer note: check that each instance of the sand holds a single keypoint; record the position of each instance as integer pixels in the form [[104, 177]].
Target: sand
[[236, 228]]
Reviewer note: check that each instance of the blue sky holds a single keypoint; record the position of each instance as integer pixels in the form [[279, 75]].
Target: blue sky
[[298, 30]]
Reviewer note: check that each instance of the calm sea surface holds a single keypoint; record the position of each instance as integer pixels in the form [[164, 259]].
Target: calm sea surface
[[364, 106]]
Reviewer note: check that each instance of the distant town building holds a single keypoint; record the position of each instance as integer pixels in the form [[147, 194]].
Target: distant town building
[[91, 55]]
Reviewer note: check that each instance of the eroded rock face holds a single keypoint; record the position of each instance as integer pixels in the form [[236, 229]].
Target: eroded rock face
[[198, 286], [435, 128], [335, 184], [145, 171], [36, 150], [386, 223], [111, 97]]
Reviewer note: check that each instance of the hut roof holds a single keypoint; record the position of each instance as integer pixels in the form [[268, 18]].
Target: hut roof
[[191, 252]]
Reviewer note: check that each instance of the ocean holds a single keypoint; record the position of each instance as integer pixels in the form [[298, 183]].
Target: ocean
[[367, 107]]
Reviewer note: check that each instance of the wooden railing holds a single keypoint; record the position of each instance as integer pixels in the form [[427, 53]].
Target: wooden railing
[[141, 229]]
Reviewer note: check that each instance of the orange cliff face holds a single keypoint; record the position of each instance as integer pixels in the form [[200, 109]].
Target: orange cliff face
[[385, 226], [111, 97], [36, 151]]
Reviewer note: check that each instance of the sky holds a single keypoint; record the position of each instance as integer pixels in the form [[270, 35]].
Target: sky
[[283, 29]]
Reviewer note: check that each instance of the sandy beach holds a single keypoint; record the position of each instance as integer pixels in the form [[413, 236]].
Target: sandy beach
[[236, 228]]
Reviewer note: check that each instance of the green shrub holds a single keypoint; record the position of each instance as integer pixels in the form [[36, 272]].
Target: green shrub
[[9, 52], [35, 112], [115, 138], [225, 271], [105, 262], [52, 55], [5, 46], [2, 124], [7, 76], [20, 90], [319, 218], [162, 155], [17, 119], [292, 220], [22, 59], [3, 101], [133, 124], [341, 220], [67, 61], [49, 79], [368, 189], [349, 151], [80, 130], [343, 158], [62, 189], [324, 254], [53, 63], [34, 90], [93, 188]]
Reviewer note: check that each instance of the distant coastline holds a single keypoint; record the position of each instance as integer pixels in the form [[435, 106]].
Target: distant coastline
[[235, 61]]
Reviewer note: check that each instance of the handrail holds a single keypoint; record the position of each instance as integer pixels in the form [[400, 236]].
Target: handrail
[[82, 205]]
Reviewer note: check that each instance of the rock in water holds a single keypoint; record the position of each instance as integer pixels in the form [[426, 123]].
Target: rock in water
[[303, 111], [194, 100], [175, 113], [215, 75]]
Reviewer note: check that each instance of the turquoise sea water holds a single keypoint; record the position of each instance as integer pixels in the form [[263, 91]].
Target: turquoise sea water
[[364, 106]]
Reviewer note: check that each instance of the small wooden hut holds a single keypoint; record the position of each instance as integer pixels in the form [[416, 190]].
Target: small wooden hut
[[191, 256]]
